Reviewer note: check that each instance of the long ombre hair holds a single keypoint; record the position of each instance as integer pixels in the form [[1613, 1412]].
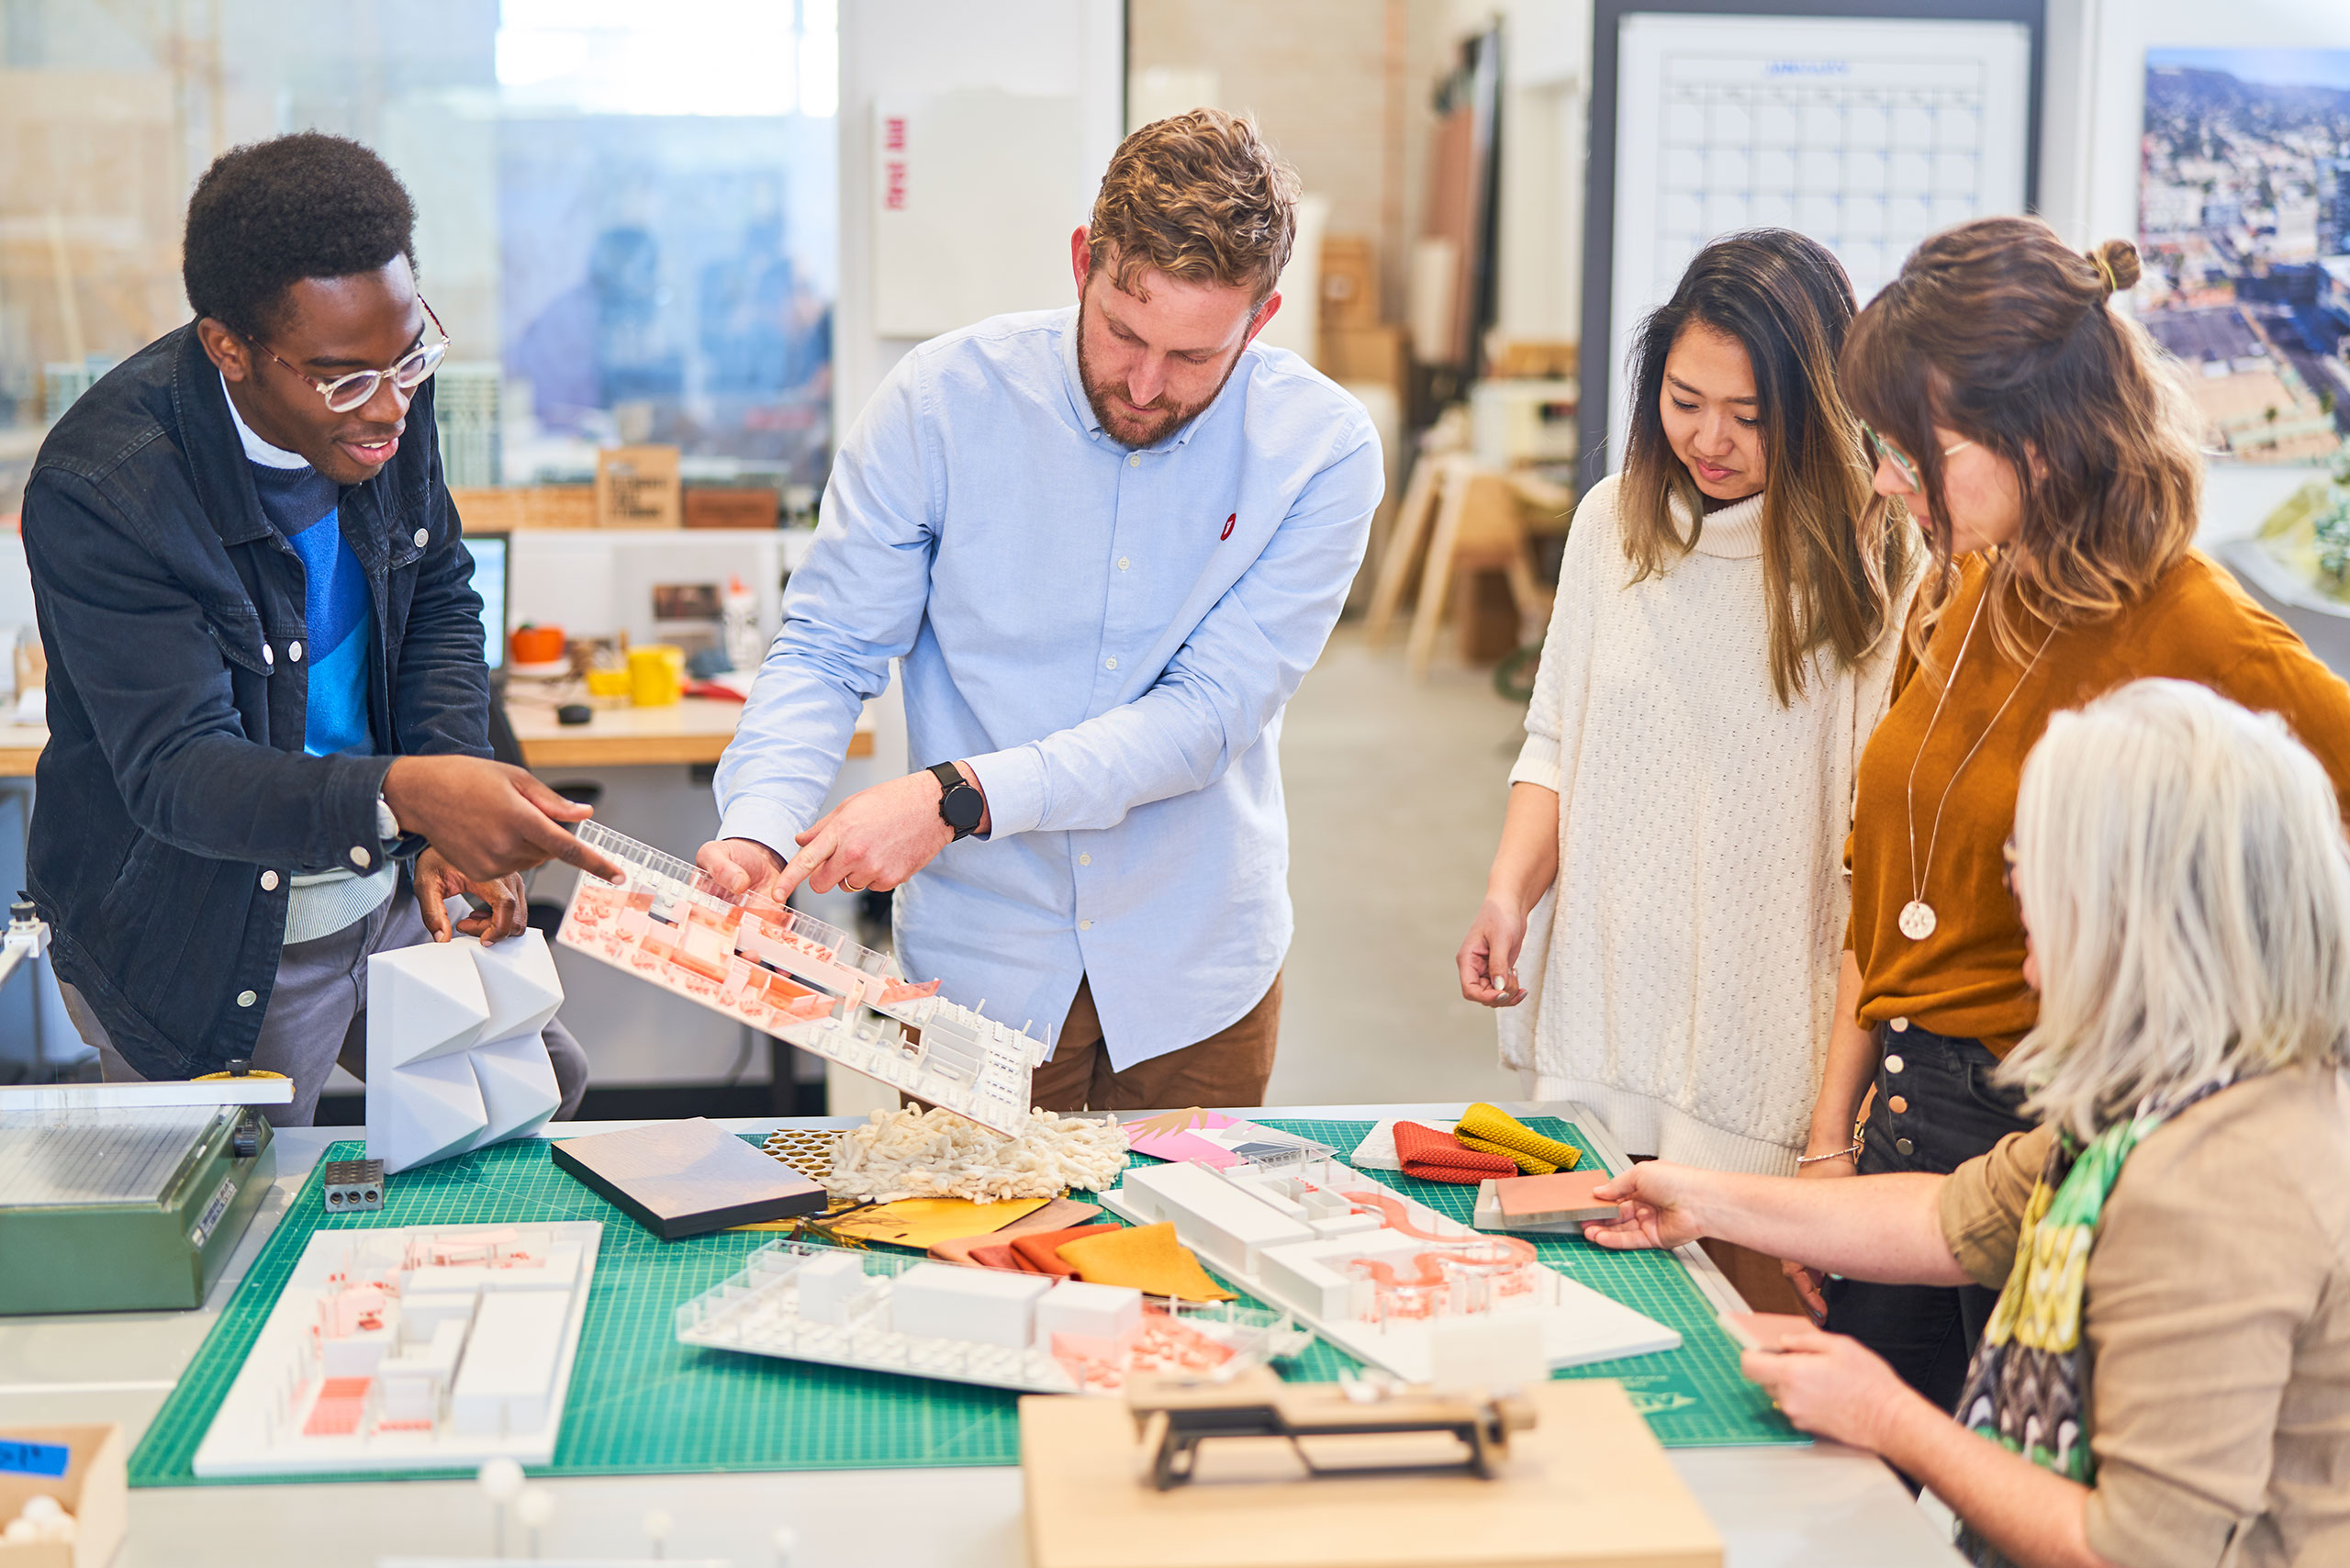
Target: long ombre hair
[[2181, 865], [1997, 331], [1835, 567]]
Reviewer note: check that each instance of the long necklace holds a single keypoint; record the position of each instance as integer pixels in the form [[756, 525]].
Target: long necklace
[[1917, 919]]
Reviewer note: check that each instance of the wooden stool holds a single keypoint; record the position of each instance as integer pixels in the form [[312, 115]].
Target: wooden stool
[[1462, 519]]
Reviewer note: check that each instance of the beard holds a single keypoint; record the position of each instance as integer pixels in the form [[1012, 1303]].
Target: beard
[[1161, 419]]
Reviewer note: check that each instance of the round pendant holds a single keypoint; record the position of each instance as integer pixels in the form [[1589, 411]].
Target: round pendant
[[1916, 920]]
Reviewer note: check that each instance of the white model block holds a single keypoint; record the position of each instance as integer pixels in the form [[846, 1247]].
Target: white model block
[[507, 1380], [1345, 1225], [424, 1314], [456, 1059], [1313, 1276], [555, 1271], [413, 1382], [1215, 1217], [355, 1355], [940, 1301], [827, 1286], [1492, 1352], [1093, 1312]]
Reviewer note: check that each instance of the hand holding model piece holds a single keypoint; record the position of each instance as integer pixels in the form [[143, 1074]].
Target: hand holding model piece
[[875, 840], [486, 819]]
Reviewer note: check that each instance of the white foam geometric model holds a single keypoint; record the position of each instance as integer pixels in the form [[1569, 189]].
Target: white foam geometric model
[[417, 1348], [455, 1057], [1374, 1272]]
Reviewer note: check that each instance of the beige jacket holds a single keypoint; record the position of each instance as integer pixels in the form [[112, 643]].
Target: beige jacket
[[2218, 1314]]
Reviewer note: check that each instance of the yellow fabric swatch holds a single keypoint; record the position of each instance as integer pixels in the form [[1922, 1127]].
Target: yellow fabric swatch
[[1495, 1130], [922, 1222], [1145, 1258]]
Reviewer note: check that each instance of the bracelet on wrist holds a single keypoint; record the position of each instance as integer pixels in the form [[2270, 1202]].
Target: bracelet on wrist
[[1852, 1153]]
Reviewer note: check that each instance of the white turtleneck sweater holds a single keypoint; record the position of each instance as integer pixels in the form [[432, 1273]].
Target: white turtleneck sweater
[[1681, 976]]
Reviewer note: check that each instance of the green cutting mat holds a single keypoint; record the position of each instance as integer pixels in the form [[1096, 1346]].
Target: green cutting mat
[[642, 1403]]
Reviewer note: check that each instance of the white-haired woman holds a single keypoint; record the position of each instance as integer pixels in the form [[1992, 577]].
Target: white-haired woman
[[2166, 1377]]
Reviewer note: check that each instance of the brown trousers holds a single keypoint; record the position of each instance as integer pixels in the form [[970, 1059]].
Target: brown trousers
[[1229, 1068]]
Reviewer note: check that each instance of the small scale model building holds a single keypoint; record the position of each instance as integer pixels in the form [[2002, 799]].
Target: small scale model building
[[351, 1186], [1375, 1272], [799, 978], [1037, 1333], [410, 1349]]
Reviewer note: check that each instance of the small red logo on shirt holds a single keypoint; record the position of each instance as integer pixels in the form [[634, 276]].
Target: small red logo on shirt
[[1228, 528]]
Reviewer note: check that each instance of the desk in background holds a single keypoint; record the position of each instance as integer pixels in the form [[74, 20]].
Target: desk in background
[[693, 731]]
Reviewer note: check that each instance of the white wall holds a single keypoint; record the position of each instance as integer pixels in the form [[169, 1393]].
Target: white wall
[[899, 49]]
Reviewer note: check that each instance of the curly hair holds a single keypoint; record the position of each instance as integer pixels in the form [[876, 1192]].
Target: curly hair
[[1200, 196], [268, 215]]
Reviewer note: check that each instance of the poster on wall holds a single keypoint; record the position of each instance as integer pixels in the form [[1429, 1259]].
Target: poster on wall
[[2244, 231], [1865, 133]]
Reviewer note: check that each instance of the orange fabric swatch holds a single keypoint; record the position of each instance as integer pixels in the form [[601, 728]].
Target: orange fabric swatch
[[1145, 1258], [1433, 1155], [1041, 1250]]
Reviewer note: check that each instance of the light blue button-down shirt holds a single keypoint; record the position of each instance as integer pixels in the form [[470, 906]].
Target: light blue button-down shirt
[[1107, 636]]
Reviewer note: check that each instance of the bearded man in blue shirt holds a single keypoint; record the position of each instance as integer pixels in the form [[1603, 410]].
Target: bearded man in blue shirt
[[1107, 541]]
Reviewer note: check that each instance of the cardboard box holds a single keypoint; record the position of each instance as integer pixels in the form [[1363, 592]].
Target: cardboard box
[[637, 487], [1529, 359], [1349, 281], [732, 506], [94, 1489], [509, 508], [1365, 353]]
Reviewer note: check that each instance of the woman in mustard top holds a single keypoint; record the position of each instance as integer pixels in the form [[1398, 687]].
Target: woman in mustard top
[[2052, 460]]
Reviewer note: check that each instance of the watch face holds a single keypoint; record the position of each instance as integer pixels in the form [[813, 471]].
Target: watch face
[[961, 808]]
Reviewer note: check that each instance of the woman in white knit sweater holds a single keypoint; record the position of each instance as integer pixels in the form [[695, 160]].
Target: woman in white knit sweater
[[1670, 888]]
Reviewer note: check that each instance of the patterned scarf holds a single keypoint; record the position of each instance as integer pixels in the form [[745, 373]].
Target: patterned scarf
[[2027, 1387]]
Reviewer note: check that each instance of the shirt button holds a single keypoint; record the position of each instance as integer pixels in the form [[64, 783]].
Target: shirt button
[[1109, 664], [246, 999], [1901, 1025], [1085, 860], [1893, 1064], [1124, 563], [293, 651], [268, 656], [361, 856], [1085, 925], [1133, 459], [421, 536], [269, 881], [1898, 1104], [1904, 1146]]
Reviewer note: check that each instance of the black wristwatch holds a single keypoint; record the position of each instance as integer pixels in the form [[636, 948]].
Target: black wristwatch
[[960, 806]]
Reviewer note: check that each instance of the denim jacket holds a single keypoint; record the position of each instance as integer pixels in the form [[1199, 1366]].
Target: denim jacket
[[175, 803]]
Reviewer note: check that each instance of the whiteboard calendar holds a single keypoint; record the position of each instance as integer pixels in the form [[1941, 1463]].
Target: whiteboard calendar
[[1867, 134]]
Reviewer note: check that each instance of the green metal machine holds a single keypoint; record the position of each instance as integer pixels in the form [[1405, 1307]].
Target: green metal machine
[[112, 1200]]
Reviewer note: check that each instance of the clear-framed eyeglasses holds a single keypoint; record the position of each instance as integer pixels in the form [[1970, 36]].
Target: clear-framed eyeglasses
[[345, 393], [1882, 450]]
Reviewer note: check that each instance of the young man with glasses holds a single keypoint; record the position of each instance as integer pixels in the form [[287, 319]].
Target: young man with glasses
[[268, 705]]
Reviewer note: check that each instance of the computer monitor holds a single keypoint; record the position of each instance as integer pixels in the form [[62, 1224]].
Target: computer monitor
[[490, 576]]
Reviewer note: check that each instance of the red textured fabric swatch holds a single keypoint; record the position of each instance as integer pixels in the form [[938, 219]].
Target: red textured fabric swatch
[[1433, 1155]]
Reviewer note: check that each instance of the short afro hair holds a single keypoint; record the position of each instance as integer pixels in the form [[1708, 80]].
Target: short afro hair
[[267, 216]]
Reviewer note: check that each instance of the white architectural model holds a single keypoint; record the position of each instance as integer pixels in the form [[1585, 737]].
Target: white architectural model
[[1030, 1332], [1377, 1275], [454, 1055], [415, 1349], [799, 980]]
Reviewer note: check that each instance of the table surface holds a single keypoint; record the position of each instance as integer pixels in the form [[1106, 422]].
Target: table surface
[[693, 730], [1824, 1506]]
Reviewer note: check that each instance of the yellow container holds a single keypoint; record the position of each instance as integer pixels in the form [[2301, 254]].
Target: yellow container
[[656, 675], [608, 683]]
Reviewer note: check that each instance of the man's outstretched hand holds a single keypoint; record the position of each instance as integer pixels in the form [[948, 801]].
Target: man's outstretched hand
[[486, 819], [875, 840]]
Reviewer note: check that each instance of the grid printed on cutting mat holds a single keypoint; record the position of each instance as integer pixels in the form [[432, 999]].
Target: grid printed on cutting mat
[[640, 1403]]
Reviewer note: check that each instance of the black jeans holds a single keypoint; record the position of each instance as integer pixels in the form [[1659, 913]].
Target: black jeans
[[1936, 1108]]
